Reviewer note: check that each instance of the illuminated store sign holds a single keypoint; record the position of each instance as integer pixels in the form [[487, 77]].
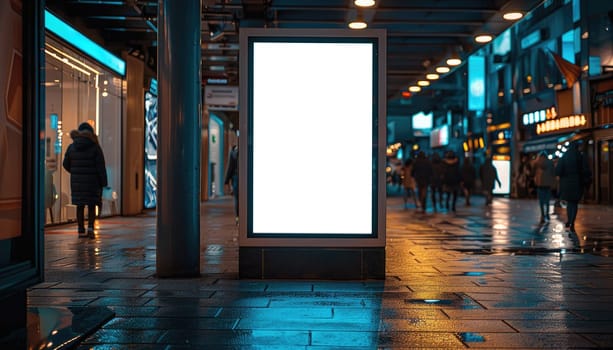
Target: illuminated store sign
[[83, 43], [559, 124], [539, 116]]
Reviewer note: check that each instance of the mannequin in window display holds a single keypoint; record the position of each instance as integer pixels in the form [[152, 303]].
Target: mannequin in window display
[[84, 161]]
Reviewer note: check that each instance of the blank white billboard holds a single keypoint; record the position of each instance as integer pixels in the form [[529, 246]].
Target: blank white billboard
[[313, 160]]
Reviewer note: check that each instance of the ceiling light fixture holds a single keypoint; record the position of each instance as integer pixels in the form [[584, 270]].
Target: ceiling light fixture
[[432, 76], [512, 16], [453, 61], [483, 38], [414, 88], [442, 69], [358, 22], [423, 83], [364, 3]]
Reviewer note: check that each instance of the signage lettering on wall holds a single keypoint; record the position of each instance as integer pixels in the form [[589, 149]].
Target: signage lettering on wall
[[562, 123]]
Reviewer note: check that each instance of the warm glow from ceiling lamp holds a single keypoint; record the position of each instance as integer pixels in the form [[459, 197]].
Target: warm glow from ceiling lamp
[[453, 61], [432, 76], [364, 3], [442, 69], [483, 38], [423, 83], [513, 16], [358, 22], [414, 88]]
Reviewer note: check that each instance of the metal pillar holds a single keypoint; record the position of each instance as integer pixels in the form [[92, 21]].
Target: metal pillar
[[179, 82]]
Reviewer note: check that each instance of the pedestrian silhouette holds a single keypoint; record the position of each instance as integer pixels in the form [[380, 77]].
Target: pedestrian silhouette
[[469, 175], [575, 175], [451, 179], [231, 178], [84, 161], [422, 173], [489, 177], [545, 181]]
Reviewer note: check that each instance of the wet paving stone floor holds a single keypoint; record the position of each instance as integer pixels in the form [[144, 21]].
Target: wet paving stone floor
[[484, 277]]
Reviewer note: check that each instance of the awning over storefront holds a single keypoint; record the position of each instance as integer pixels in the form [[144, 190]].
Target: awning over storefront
[[551, 142]]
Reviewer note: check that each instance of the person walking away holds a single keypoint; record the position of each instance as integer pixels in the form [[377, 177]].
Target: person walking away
[[231, 178], [84, 160], [422, 173], [489, 177], [575, 175], [469, 174], [408, 182], [451, 179], [545, 181], [436, 182]]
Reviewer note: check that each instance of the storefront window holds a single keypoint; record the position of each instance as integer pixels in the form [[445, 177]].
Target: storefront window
[[78, 90]]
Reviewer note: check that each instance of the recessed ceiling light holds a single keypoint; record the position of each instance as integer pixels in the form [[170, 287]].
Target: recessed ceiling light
[[423, 83], [364, 3], [483, 38], [442, 69], [358, 24], [513, 16], [453, 61], [414, 88], [432, 76]]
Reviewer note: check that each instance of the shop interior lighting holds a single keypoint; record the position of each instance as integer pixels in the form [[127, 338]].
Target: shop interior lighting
[[442, 69], [432, 76], [67, 62], [364, 3], [414, 88], [74, 60], [512, 16], [423, 83], [483, 38]]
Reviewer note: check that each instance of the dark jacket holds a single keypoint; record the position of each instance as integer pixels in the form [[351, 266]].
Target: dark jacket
[[451, 173], [84, 161], [574, 174], [437, 171], [232, 170], [422, 171], [489, 175], [469, 174]]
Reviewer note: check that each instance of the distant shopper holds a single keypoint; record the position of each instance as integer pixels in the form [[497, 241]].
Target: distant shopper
[[469, 175], [422, 173], [231, 178], [575, 175], [489, 177], [451, 179], [84, 161], [436, 183], [408, 182], [545, 181]]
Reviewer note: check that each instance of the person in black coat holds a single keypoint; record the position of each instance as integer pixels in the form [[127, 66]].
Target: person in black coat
[[489, 178], [436, 183], [575, 175], [84, 161], [422, 173], [451, 179], [231, 178], [469, 174]]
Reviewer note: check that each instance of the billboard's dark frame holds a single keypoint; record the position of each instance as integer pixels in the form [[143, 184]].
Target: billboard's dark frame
[[375, 130]]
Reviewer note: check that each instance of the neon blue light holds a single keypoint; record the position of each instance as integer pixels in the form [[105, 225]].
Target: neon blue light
[[476, 83], [530, 39], [81, 42]]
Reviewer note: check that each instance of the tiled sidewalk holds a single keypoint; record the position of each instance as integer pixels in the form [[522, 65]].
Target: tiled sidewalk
[[484, 278]]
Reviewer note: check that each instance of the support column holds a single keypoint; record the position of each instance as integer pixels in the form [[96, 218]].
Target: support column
[[179, 83]]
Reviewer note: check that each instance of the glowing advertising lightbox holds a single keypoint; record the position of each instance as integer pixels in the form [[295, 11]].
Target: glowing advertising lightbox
[[312, 110]]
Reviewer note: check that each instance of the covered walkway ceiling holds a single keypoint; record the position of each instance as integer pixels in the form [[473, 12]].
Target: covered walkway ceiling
[[421, 34]]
